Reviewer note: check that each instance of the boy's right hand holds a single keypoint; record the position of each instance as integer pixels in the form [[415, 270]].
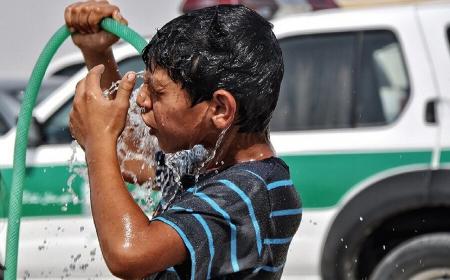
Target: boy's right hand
[[83, 20]]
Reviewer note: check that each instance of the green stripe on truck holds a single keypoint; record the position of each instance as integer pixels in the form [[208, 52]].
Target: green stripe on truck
[[323, 179], [45, 192], [445, 156]]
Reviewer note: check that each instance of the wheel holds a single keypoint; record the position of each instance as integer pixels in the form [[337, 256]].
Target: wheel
[[425, 257]]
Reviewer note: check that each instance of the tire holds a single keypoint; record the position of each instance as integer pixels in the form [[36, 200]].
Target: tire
[[424, 257]]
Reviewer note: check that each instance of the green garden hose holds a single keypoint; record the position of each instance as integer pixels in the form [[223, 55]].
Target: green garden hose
[[23, 125]]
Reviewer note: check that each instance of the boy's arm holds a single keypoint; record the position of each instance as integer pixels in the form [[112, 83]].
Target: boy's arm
[[131, 245], [83, 20]]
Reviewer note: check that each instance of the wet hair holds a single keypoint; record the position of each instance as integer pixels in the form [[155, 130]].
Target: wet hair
[[226, 47]]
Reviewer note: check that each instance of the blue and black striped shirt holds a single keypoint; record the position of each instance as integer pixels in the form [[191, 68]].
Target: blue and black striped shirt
[[235, 224]]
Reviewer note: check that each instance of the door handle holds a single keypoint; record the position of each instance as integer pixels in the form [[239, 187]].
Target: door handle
[[430, 111]]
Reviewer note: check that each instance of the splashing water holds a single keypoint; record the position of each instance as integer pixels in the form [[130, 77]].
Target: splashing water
[[192, 162], [137, 144], [76, 170], [108, 93], [212, 153], [171, 167]]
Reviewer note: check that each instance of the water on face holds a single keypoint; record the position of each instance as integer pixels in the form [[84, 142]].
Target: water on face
[[137, 144]]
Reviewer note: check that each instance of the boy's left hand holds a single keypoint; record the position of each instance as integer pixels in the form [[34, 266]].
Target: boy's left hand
[[96, 121]]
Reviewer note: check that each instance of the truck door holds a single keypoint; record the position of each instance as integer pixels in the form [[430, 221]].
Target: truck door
[[435, 23]]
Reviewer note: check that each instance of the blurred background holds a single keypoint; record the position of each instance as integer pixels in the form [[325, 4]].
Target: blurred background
[[27, 26]]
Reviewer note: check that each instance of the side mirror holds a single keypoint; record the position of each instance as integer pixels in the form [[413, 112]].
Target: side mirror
[[34, 134]]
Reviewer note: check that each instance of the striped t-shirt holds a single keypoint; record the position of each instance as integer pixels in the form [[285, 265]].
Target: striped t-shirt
[[235, 224]]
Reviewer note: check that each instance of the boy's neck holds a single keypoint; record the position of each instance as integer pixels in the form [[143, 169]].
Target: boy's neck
[[243, 147]]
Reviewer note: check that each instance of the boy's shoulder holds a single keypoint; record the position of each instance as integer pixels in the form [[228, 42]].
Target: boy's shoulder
[[263, 171]]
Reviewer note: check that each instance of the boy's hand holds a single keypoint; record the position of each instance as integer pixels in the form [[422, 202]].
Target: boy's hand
[[83, 20], [95, 121]]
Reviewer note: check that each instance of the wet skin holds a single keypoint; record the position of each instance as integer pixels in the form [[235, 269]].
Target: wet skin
[[133, 246], [168, 112]]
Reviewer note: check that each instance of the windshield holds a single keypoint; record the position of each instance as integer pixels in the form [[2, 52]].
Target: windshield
[[16, 88], [12, 94]]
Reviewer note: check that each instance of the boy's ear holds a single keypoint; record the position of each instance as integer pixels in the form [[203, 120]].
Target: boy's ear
[[223, 108]]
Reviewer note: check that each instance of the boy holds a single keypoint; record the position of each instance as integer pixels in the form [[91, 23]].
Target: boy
[[213, 73]]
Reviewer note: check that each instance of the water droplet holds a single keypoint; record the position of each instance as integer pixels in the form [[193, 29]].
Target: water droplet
[[384, 247], [361, 219]]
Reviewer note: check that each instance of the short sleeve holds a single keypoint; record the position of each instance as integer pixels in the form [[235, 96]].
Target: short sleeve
[[220, 224]]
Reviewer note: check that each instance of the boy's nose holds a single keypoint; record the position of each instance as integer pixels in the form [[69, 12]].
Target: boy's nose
[[143, 99]]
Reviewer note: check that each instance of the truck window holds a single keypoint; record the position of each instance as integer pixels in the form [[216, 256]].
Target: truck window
[[56, 129], [341, 80], [69, 71], [134, 63]]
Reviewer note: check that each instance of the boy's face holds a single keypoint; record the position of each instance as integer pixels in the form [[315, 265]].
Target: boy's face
[[166, 109]]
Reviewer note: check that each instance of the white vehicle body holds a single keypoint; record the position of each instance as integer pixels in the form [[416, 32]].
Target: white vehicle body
[[332, 168]]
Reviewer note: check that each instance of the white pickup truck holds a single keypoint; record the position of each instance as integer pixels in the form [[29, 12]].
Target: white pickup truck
[[363, 121]]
